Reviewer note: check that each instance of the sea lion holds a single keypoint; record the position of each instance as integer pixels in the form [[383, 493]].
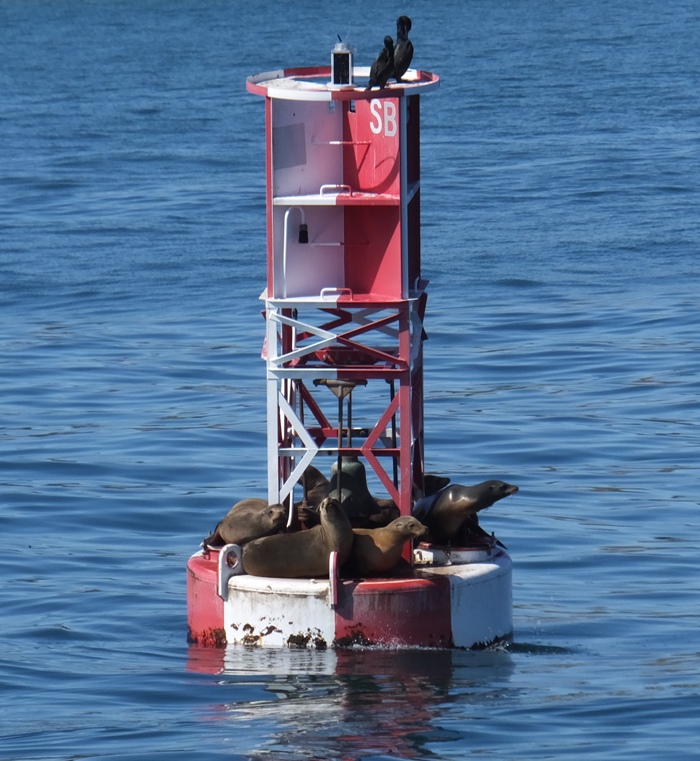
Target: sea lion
[[383, 510], [387, 509], [316, 485], [316, 488], [431, 484], [387, 512], [403, 52], [377, 551], [247, 520], [452, 509], [383, 66], [363, 509], [359, 505], [302, 554]]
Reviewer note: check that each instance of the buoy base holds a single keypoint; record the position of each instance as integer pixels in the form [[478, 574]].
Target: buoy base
[[450, 604]]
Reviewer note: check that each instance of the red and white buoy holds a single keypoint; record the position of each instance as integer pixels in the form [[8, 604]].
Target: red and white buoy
[[344, 307]]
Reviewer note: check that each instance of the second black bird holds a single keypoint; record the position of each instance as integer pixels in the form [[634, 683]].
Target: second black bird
[[383, 66]]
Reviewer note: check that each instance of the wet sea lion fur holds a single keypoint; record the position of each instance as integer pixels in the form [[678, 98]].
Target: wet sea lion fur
[[302, 554], [448, 512], [248, 519], [377, 551]]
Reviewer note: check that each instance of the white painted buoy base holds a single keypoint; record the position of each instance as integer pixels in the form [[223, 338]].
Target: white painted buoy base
[[456, 599]]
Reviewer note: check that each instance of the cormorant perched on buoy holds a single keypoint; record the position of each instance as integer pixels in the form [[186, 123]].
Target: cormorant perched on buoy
[[403, 52], [383, 66]]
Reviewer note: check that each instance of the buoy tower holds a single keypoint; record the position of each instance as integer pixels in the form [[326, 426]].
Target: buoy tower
[[344, 308]]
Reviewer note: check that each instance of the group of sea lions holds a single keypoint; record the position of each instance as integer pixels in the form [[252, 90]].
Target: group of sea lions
[[367, 533], [350, 489], [304, 553]]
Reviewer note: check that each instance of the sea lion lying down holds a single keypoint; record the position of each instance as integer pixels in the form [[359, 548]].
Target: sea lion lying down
[[302, 554], [377, 551], [247, 520]]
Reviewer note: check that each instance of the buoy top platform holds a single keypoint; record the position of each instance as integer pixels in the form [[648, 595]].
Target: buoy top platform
[[314, 83]]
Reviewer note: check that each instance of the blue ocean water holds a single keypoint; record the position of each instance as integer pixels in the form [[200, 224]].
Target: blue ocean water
[[560, 180]]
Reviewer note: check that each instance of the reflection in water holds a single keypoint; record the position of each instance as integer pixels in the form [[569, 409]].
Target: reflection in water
[[349, 704]]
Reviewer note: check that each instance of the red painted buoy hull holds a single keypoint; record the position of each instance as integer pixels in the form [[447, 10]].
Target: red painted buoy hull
[[205, 609], [462, 605]]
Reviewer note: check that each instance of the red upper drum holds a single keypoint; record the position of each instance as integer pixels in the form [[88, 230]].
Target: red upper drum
[[343, 164]]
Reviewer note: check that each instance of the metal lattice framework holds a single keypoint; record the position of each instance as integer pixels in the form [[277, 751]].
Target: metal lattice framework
[[375, 346]]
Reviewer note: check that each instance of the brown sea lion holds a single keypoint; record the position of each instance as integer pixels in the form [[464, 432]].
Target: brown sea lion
[[388, 512], [449, 512], [376, 551], [247, 520], [317, 488], [363, 509], [302, 554]]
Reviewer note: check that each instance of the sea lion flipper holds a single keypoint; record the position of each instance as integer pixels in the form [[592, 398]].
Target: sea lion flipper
[[308, 514], [214, 539]]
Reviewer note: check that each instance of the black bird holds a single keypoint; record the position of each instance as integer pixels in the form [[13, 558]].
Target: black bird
[[383, 66], [403, 52]]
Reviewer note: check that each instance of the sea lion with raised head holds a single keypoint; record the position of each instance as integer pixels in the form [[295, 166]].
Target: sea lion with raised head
[[448, 512], [248, 519], [376, 551], [302, 554]]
